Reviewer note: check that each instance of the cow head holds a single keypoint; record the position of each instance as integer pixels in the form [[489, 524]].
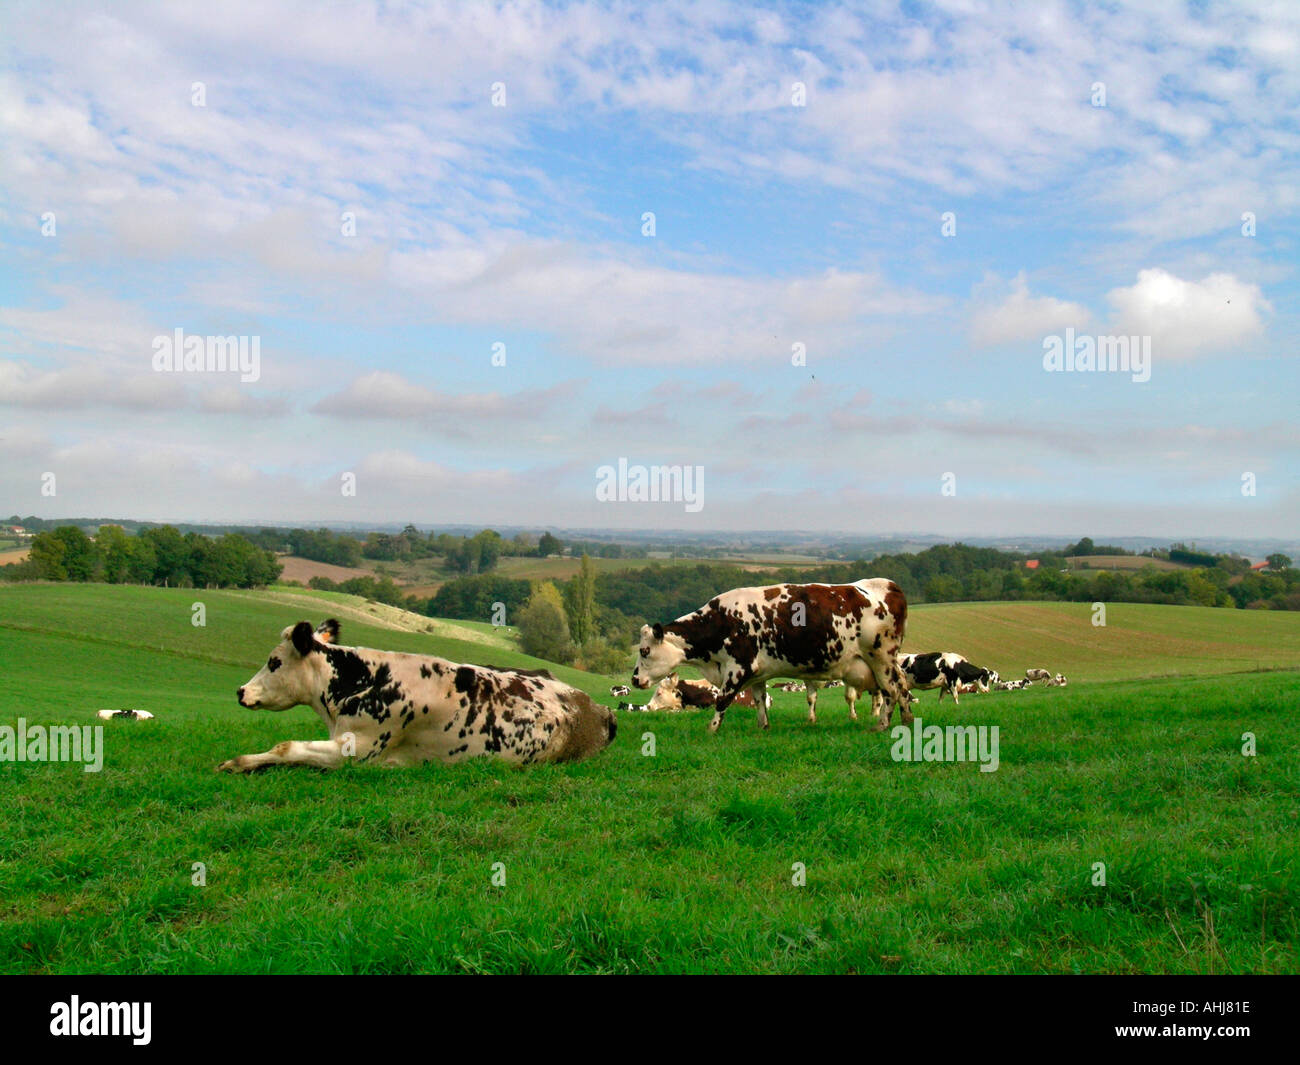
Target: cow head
[[291, 675], [667, 695], [661, 652]]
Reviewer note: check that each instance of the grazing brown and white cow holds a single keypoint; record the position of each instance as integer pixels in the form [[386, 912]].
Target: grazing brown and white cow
[[402, 709], [1037, 674], [744, 638]]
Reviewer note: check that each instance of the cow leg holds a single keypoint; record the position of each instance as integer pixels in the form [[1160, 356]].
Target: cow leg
[[851, 697], [881, 711], [720, 710], [320, 754], [812, 703], [893, 692], [759, 692]]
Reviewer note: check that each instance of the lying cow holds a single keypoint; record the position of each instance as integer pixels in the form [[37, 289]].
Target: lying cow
[[1057, 681], [402, 709], [1037, 674], [672, 693], [946, 671], [620, 690], [744, 638], [129, 715], [1011, 685]]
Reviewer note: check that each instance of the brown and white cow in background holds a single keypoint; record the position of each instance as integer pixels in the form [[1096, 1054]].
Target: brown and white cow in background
[[673, 693], [398, 709], [744, 638]]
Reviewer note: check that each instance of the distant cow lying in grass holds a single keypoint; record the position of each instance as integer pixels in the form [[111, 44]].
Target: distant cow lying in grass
[[130, 715], [402, 709], [673, 693]]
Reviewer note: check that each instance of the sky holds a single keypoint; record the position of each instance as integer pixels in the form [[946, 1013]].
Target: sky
[[814, 252]]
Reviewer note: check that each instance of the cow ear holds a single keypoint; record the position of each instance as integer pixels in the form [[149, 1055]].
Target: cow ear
[[328, 631], [303, 638], [658, 631]]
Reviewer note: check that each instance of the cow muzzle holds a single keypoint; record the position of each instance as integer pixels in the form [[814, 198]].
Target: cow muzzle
[[243, 702]]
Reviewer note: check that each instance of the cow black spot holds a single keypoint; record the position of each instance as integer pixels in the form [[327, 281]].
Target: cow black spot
[[425, 671], [273, 663]]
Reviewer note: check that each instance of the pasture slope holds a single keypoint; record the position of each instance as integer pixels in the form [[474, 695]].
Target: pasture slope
[[680, 861]]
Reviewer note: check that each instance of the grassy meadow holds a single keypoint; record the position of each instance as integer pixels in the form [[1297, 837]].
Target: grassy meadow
[[678, 861]]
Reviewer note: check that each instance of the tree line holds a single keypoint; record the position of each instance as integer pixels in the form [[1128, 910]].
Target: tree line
[[477, 553], [159, 555]]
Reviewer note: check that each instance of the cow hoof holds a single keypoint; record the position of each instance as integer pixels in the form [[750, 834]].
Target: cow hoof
[[906, 718], [880, 726], [236, 765]]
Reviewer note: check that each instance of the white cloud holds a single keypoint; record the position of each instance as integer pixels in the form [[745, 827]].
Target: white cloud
[[1184, 318], [391, 396], [1019, 315]]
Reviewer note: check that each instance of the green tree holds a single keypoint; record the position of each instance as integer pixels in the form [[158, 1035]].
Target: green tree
[[171, 554], [580, 602], [543, 628], [80, 555], [1278, 562], [549, 545], [141, 560], [115, 549], [47, 555]]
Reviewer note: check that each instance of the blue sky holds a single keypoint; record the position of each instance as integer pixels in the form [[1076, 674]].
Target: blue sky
[[775, 225]]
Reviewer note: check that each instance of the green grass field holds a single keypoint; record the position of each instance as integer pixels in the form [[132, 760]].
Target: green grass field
[[680, 861]]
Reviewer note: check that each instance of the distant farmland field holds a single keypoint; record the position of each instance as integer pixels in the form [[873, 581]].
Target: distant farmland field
[[303, 570], [676, 861], [1138, 639], [424, 577], [1121, 562]]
